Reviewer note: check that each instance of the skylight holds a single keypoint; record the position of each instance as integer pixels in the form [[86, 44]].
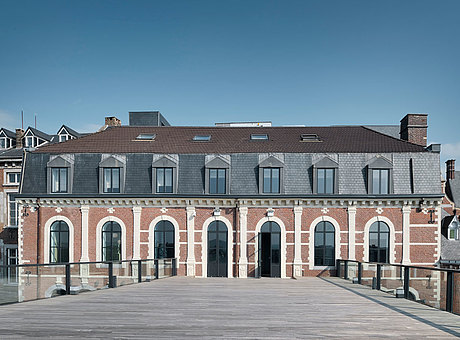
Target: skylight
[[146, 136], [202, 138], [309, 137], [259, 136]]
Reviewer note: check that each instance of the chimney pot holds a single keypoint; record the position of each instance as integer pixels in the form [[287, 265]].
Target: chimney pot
[[450, 167]]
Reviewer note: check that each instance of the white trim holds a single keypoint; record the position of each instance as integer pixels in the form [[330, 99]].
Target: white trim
[[283, 247], [390, 225], [152, 236], [204, 245], [46, 243], [99, 236], [311, 250]]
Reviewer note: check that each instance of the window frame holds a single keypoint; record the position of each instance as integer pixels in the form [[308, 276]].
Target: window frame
[[163, 224], [218, 163], [270, 163], [60, 170], [110, 189], [215, 190], [326, 163], [51, 247], [112, 162], [378, 248], [165, 161], [164, 180], [60, 161], [324, 189], [323, 246], [271, 180], [11, 200], [16, 174], [104, 246]]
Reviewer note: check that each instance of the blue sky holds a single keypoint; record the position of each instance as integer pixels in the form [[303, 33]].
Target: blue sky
[[201, 62]]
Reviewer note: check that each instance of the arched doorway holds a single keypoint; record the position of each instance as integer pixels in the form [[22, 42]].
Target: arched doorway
[[217, 249], [270, 250]]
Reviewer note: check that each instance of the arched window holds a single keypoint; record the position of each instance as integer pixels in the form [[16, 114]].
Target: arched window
[[324, 244], [59, 245], [270, 250], [379, 242], [164, 240], [111, 242]]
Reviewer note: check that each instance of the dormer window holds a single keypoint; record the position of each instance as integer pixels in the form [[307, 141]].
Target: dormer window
[[271, 179], [112, 171], [60, 174], [379, 174], [164, 174], [325, 176], [63, 138], [261, 136], [454, 231], [202, 138], [7, 139]]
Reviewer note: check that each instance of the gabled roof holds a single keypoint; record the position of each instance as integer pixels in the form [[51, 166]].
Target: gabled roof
[[174, 139], [8, 133], [39, 134], [453, 189], [70, 131]]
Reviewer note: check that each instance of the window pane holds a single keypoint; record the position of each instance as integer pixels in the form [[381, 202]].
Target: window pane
[[213, 181], [329, 239], [275, 180], [266, 180], [384, 174], [452, 234], [168, 180], [63, 180], [221, 181], [2, 143], [329, 181], [319, 239], [375, 181], [160, 180], [107, 180], [321, 181], [115, 180], [55, 179]]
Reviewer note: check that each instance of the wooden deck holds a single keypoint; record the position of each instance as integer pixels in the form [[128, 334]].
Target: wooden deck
[[182, 307]]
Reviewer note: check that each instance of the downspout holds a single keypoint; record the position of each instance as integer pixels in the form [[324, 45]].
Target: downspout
[[238, 238], [38, 231]]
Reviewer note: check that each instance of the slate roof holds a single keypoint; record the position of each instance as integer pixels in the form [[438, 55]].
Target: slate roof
[[390, 130], [453, 189], [11, 153], [9, 133], [174, 139], [450, 249], [40, 134]]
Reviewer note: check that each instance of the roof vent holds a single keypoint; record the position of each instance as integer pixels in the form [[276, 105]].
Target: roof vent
[[309, 137], [259, 136], [146, 136], [202, 138]]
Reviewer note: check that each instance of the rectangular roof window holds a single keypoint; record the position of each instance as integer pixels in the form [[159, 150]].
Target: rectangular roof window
[[146, 136], [309, 137], [202, 138], [259, 136]]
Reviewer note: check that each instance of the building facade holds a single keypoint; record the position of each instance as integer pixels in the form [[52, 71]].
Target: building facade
[[235, 201]]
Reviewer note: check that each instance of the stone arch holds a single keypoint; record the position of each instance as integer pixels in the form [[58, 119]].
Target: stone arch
[[391, 226], [311, 243], [152, 236], [283, 243], [46, 243], [99, 236], [204, 245]]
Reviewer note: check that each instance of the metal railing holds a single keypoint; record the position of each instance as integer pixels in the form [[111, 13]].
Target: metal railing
[[432, 286], [26, 282]]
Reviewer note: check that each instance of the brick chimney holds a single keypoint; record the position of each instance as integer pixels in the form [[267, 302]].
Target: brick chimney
[[450, 166], [19, 136], [112, 121], [414, 128]]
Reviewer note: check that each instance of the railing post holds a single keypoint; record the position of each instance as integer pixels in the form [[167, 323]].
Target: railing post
[[379, 276], [337, 266], [360, 272], [139, 271], [157, 274], [406, 282], [174, 268], [67, 279], [110, 274], [345, 269], [450, 292]]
